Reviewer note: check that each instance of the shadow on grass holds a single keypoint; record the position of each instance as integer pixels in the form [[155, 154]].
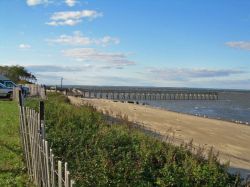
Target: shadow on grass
[[5, 99], [15, 172]]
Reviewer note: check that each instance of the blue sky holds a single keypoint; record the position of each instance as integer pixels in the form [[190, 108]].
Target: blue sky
[[176, 43]]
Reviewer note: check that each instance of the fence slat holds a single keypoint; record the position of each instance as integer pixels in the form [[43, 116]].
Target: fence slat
[[72, 183], [28, 136], [44, 165], [38, 153], [66, 174], [24, 137], [30, 119], [52, 168], [34, 145], [59, 174], [41, 160], [47, 162]]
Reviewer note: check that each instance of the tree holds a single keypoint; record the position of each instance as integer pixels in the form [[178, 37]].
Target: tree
[[17, 74]]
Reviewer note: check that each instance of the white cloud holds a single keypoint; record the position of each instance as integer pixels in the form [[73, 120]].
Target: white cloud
[[24, 46], [71, 18], [70, 3], [93, 55], [239, 44], [107, 40], [36, 2], [69, 22], [79, 39]]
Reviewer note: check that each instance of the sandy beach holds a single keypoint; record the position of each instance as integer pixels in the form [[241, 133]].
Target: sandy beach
[[230, 139]]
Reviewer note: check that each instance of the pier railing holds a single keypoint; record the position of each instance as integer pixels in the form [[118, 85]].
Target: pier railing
[[137, 95]]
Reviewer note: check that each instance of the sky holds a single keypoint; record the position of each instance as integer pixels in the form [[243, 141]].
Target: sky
[[165, 43]]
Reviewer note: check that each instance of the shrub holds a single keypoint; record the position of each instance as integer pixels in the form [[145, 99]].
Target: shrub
[[103, 155]]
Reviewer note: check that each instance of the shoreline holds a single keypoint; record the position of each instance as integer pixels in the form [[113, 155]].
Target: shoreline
[[229, 139], [236, 122]]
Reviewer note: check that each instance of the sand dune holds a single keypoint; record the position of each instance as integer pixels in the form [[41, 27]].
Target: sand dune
[[231, 140]]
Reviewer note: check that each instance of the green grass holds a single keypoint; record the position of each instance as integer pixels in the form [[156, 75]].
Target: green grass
[[100, 154], [12, 168]]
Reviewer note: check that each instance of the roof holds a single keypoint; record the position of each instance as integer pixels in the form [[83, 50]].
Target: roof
[[2, 77]]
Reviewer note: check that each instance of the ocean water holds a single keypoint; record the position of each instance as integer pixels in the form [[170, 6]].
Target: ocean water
[[233, 105]]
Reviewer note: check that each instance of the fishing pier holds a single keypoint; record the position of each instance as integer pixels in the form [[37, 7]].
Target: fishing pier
[[147, 94]]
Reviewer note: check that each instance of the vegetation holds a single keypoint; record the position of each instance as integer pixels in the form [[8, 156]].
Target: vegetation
[[103, 155], [12, 172], [17, 74]]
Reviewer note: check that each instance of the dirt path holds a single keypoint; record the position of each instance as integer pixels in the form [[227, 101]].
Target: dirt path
[[231, 140]]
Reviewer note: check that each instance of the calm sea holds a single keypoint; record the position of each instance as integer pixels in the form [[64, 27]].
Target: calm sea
[[233, 105]]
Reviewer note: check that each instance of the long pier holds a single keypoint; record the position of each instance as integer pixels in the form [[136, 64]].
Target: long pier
[[148, 94]]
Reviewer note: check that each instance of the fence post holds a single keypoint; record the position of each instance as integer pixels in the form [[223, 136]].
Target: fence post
[[20, 98], [42, 121], [45, 90]]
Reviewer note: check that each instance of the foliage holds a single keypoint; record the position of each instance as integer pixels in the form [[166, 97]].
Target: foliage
[[12, 172], [103, 155], [17, 74]]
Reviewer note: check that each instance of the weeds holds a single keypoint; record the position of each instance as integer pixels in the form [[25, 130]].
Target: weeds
[[100, 154]]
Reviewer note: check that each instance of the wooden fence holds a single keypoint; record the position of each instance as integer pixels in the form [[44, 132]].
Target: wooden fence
[[15, 95], [36, 90], [43, 169]]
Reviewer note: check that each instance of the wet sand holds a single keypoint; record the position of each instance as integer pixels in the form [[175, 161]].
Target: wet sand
[[230, 139]]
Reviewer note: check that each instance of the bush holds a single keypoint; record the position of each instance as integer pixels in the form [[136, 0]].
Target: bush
[[102, 155]]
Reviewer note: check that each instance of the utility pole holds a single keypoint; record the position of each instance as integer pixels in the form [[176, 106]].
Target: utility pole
[[61, 82]]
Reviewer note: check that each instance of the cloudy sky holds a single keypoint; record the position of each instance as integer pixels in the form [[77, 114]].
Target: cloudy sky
[[129, 43]]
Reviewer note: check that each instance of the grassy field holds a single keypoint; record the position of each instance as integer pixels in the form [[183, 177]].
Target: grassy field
[[12, 169]]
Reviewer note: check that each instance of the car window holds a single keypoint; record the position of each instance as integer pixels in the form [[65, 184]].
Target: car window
[[9, 84]]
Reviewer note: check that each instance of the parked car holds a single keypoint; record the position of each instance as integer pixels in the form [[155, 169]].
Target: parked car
[[5, 91], [9, 84]]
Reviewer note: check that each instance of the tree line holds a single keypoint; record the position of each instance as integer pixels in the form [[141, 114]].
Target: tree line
[[18, 74]]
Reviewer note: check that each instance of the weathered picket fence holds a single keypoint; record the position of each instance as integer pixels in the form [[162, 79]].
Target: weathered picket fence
[[43, 169], [36, 90]]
